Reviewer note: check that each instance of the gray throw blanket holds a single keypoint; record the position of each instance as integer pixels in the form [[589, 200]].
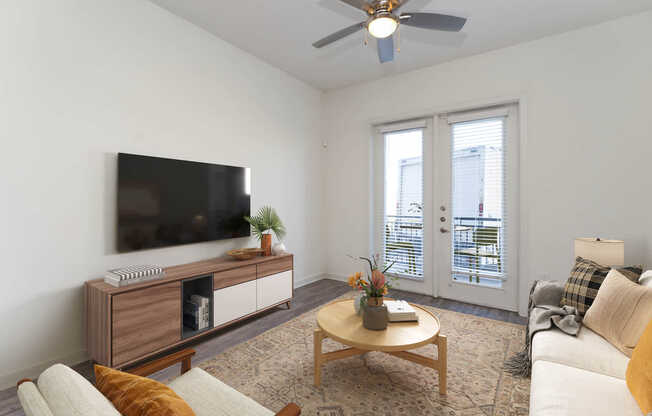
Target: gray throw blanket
[[544, 313]]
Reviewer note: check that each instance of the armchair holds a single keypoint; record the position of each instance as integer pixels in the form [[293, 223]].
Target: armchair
[[61, 390]]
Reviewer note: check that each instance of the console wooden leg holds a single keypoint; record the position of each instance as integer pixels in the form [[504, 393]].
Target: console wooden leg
[[288, 304], [318, 337], [442, 358]]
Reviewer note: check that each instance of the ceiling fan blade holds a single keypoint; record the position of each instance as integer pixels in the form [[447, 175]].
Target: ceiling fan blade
[[433, 21], [338, 35], [360, 4], [386, 49]]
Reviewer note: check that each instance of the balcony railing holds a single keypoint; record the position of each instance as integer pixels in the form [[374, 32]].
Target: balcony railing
[[476, 248], [404, 245]]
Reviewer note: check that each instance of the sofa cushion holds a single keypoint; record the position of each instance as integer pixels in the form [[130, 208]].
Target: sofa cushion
[[560, 390], [639, 371], [585, 281], [133, 395], [69, 394], [620, 312], [32, 401], [208, 396], [587, 351], [646, 279]]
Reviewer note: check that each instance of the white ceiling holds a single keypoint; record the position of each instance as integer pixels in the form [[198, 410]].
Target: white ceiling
[[281, 32]]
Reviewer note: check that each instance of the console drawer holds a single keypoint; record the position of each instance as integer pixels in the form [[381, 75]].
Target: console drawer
[[273, 289], [233, 277], [274, 266], [234, 302]]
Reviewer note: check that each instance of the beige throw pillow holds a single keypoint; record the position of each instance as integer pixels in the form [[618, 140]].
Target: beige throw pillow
[[620, 312]]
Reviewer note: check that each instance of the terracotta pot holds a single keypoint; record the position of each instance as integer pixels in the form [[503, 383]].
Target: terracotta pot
[[266, 244], [371, 301]]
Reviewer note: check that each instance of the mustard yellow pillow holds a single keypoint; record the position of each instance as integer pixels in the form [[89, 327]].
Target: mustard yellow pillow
[[139, 396], [639, 371]]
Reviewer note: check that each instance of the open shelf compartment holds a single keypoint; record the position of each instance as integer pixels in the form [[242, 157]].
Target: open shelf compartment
[[197, 305]]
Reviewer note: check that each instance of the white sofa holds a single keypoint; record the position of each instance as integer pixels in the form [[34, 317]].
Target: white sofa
[[583, 375], [61, 391]]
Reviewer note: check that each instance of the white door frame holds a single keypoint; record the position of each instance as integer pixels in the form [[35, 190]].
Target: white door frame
[[507, 296], [391, 115]]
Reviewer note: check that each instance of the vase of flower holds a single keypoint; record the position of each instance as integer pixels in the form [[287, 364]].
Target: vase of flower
[[375, 301], [373, 288], [359, 302], [375, 317]]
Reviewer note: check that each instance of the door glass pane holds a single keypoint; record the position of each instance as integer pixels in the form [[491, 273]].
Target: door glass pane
[[403, 210], [478, 202]]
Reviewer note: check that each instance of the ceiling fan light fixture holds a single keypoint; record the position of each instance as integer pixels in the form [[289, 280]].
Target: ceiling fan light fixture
[[382, 26]]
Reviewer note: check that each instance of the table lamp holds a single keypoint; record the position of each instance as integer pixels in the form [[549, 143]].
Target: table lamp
[[605, 252]]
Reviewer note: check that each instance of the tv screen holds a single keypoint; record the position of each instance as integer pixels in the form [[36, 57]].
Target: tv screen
[[167, 202]]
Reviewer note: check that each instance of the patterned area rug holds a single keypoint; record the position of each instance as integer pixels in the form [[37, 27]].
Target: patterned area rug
[[276, 368]]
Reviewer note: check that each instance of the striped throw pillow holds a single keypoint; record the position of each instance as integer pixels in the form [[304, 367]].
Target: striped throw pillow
[[585, 281]]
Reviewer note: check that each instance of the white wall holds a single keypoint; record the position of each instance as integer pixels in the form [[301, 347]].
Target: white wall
[[585, 163], [84, 79]]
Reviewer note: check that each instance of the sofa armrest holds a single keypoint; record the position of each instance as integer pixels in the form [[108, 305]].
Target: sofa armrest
[[290, 410], [184, 357], [546, 292], [31, 400]]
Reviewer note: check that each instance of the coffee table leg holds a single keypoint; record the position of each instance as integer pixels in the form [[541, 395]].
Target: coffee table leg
[[318, 338], [442, 353]]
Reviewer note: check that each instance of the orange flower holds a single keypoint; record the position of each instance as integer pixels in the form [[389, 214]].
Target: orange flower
[[358, 275], [352, 281], [385, 290]]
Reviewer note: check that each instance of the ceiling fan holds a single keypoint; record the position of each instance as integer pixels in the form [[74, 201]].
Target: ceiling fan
[[383, 20]]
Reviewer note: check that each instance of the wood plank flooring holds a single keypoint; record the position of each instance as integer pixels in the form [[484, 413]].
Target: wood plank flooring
[[306, 298]]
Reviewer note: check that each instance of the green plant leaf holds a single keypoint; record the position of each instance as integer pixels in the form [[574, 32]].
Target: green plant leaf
[[266, 219]]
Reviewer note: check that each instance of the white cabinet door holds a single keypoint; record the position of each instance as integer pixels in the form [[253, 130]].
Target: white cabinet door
[[274, 289], [234, 302]]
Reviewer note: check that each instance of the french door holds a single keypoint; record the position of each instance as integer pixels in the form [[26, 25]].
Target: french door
[[403, 184], [445, 200], [476, 158]]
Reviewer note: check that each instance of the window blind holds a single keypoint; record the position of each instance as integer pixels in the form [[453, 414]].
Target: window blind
[[479, 253], [402, 211]]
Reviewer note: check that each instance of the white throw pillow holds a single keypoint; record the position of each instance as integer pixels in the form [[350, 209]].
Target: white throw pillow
[[70, 394], [646, 279]]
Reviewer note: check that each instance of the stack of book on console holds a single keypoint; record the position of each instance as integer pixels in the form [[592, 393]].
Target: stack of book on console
[[133, 274], [400, 311], [196, 310]]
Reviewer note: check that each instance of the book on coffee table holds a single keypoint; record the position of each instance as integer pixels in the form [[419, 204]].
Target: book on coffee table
[[400, 311]]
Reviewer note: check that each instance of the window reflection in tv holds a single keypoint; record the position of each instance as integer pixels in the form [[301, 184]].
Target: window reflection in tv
[[167, 202]]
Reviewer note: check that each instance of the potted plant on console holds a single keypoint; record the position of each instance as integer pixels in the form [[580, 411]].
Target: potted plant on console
[[263, 224]]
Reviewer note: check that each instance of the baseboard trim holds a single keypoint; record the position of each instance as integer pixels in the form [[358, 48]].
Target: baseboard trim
[[309, 279], [333, 276], [10, 379]]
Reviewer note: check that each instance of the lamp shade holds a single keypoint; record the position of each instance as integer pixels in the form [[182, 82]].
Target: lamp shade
[[605, 252]]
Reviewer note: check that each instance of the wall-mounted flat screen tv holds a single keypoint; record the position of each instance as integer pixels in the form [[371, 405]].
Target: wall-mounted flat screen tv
[[167, 202]]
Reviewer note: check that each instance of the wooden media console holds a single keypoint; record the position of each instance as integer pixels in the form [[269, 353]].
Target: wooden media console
[[125, 325]]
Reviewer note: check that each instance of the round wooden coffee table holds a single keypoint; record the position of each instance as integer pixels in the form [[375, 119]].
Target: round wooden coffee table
[[338, 321]]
